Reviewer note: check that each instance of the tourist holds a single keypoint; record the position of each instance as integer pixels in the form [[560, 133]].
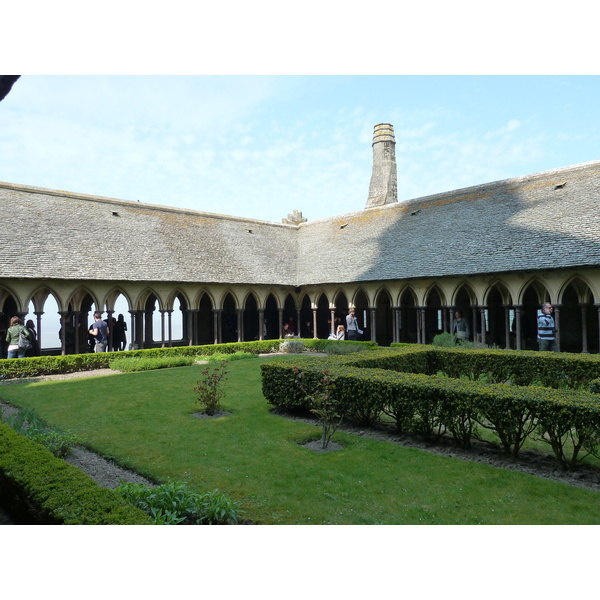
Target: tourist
[[13, 337], [35, 345], [461, 328], [99, 330], [340, 334], [352, 325], [546, 329], [119, 336]]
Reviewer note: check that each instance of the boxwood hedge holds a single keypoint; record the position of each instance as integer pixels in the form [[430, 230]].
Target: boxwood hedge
[[39, 488], [433, 392]]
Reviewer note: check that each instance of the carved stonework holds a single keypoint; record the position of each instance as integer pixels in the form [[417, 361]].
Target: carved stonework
[[295, 218], [384, 187]]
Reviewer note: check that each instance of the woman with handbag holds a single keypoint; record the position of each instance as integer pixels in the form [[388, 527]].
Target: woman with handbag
[[18, 338]]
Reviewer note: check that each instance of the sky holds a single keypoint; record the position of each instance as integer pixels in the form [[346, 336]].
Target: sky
[[262, 146]]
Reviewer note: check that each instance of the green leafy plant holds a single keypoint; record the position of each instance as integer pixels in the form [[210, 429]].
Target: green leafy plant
[[28, 423], [174, 503], [210, 388]]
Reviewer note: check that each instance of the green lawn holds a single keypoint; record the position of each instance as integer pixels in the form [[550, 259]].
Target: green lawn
[[143, 420]]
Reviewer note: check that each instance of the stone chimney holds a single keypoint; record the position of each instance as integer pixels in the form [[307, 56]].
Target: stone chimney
[[384, 187]]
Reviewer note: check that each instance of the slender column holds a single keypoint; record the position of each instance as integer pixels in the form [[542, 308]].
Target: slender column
[[451, 311], [395, 321], [506, 326], [170, 327], [240, 324], [192, 326], [482, 310], [314, 311], [162, 328], [584, 340], [280, 311], [518, 329], [109, 321], [63, 331], [38, 325], [261, 324], [373, 323], [217, 324], [597, 305], [557, 308], [332, 321], [78, 316], [298, 323]]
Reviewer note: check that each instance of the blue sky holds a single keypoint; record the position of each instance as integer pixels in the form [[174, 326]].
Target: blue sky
[[262, 146]]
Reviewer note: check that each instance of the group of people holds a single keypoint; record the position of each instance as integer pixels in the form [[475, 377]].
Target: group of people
[[546, 329], [99, 333], [21, 339]]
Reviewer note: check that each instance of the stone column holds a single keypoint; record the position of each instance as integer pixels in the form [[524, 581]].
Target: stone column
[[506, 326], [373, 323], [109, 321], [557, 308], [261, 324], [63, 331], [217, 324], [192, 325], [332, 312], [280, 311], [383, 188], [482, 310], [38, 319], [518, 334], [584, 340], [240, 324], [314, 311]]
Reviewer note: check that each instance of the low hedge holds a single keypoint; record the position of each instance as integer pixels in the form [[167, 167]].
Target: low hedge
[[51, 365], [521, 367], [42, 489], [567, 420]]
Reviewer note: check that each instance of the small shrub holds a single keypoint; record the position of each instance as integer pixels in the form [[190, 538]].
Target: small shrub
[[210, 389], [321, 403], [444, 340], [337, 348], [292, 346]]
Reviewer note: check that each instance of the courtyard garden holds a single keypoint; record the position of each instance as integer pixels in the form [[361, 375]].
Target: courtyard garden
[[148, 421]]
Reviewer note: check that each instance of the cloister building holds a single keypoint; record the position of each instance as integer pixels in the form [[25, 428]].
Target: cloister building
[[493, 251]]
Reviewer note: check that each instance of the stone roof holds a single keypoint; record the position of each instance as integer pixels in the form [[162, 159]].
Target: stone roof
[[547, 220], [72, 236], [543, 221]]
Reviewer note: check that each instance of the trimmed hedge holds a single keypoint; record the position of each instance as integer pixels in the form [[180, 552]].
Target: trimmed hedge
[[51, 365], [42, 489], [381, 382]]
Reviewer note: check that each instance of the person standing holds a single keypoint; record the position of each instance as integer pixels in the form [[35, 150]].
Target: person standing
[[462, 331], [13, 335], [100, 332], [35, 346], [352, 325], [546, 329]]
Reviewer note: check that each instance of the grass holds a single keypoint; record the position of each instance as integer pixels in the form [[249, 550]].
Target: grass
[[144, 420]]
